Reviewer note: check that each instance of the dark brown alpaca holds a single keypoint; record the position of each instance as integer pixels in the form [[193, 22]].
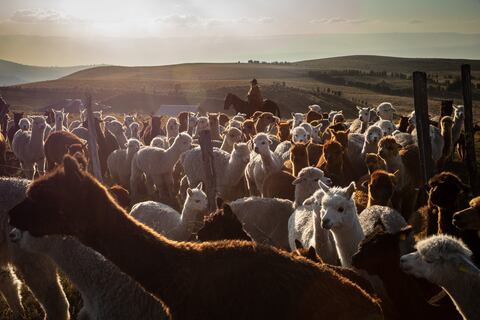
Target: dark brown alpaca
[[331, 162], [183, 120], [315, 151], [153, 129], [264, 121], [279, 185], [379, 254], [211, 280], [299, 157], [284, 131], [11, 132], [57, 145], [248, 129], [223, 119], [222, 225], [313, 115], [3, 150], [403, 124], [380, 188], [121, 195]]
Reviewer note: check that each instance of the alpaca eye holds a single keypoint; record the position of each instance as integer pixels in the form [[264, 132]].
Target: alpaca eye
[[316, 180], [263, 142], [197, 201], [340, 209]]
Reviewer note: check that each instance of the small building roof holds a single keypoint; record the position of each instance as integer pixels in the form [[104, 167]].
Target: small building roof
[[174, 109]]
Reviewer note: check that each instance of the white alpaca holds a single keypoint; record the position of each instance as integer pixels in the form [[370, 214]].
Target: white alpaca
[[235, 124], [74, 124], [458, 122], [229, 168], [446, 262], [172, 128], [316, 108], [118, 131], [300, 135], [89, 271], [386, 111], [158, 164], [59, 116], [360, 124], [297, 118], [133, 131], [332, 114], [24, 124], [317, 133], [232, 136], [387, 126], [192, 123], [391, 220], [304, 225], [372, 137], [119, 162], [160, 142], [127, 121], [436, 140], [109, 118], [262, 164], [265, 219], [28, 147], [339, 214], [403, 138], [306, 184], [168, 222], [214, 126], [202, 124], [36, 271]]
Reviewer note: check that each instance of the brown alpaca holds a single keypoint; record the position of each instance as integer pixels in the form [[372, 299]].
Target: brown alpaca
[[11, 132], [223, 119], [403, 124], [267, 282], [248, 129], [255, 115], [284, 131], [121, 195], [446, 124], [299, 157], [469, 219], [339, 126], [380, 188], [264, 121], [374, 162], [214, 126], [279, 185], [313, 115], [331, 162], [222, 225], [3, 150], [183, 120], [315, 151], [57, 145], [153, 129]]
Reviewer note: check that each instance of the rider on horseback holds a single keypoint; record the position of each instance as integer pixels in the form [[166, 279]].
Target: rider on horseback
[[254, 95]]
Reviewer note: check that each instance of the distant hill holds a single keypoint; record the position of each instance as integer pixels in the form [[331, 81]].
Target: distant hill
[[12, 73]]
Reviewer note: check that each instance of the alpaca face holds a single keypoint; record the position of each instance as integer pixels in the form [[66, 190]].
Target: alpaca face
[[59, 115], [338, 118], [300, 135], [203, 124], [196, 199], [115, 127], [387, 127], [333, 152], [316, 108], [284, 130], [241, 153], [310, 176], [373, 134], [248, 128], [262, 143], [386, 111], [39, 123], [381, 186], [183, 141], [30, 243], [172, 127], [388, 148], [128, 119], [444, 189], [133, 145], [337, 207], [24, 124], [235, 124], [234, 135], [332, 114], [363, 114], [459, 112], [374, 162], [297, 118], [213, 119], [222, 225], [192, 122], [316, 133]]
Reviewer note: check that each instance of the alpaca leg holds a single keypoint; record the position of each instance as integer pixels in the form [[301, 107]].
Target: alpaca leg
[[150, 182], [40, 275], [10, 289], [41, 167], [28, 169]]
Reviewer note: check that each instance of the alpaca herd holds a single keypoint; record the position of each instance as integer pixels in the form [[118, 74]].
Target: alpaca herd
[[317, 217]]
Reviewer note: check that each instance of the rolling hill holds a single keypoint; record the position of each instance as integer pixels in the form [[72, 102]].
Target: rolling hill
[[12, 73]]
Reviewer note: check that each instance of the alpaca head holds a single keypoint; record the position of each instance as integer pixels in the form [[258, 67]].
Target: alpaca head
[[380, 250], [233, 135], [388, 148], [315, 107], [17, 116], [299, 154], [381, 186], [444, 189], [374, 162], [202, 124], [128, 119], [267, 118], [223, 118], [338, 118], [363, 114], [121, 195], [222, 225], [196, 199], [212, 119], [373, 134], [338, 207], [317, 132], [192, 121], [239, 117], [172, 127], [261, 143], [248, 128], [386, 111], [235, 124], [311, 176], [310, 253], [159, 142], [115, 127], [61, 202], [241, 153], [183, 142], [387, 127], [468, 218], [340, 136], [332, 114], [133, 145], [333, 152], [24, 124], [297, 118], [59, 115], [439, 259], [300, 135], [459, 112], [39, 123], [284, 131], [134, 127]]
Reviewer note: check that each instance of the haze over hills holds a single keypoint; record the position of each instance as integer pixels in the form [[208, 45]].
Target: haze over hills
[[12, 73]]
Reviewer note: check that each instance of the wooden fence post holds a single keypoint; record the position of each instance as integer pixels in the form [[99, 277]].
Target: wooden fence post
[[205, 141], [92, 141], [422, 123], [4, 108], [469, 130], [446, 109]]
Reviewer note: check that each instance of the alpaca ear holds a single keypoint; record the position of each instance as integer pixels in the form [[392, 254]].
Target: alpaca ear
[[199, 186], [72, 169], [323, 186], [405, 232], [364, 184], [351, 189], [297, 180], [347, 131], [358, 108], [234, 146], [298, 244], [189, 192]]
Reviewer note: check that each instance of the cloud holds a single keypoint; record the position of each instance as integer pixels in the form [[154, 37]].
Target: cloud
[[266, 20], [40, 16], [333, 20], [181, 20], [415, 21]]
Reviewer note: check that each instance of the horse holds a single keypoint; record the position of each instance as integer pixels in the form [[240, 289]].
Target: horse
[[244, 107]]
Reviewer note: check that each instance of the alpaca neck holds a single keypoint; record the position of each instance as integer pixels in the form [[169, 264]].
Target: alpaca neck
[[299, 165], [378, 202], [456, 128], [189, 223], [226, 145], [462, 289], [394, 163], [235, 171], [364, 126], [267, 160], [445, 216], [58, 125], [121, 139], [347, 238], [215, 131], [36, 139], [159, 276]]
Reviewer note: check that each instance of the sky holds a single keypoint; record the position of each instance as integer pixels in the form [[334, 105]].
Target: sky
[[50, 30]]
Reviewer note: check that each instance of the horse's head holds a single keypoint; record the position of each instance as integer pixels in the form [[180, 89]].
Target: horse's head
[[228, 101]]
